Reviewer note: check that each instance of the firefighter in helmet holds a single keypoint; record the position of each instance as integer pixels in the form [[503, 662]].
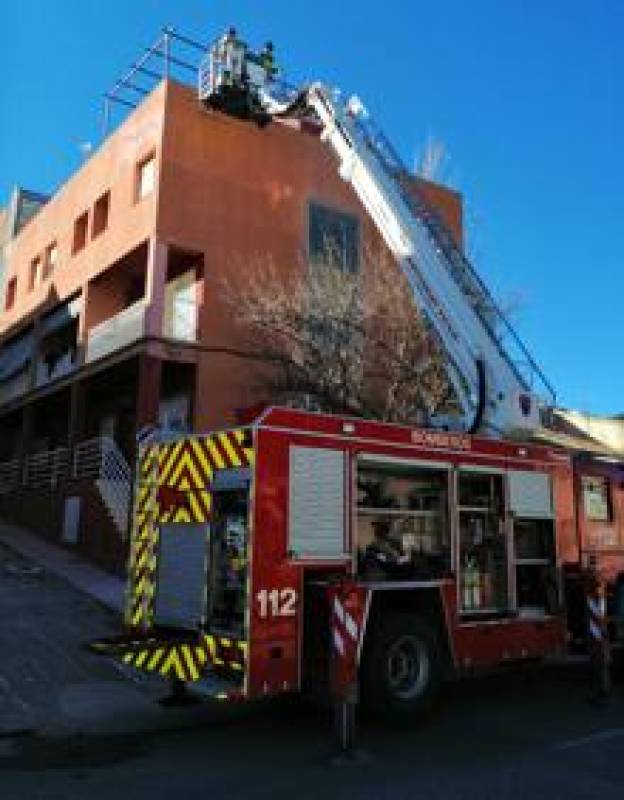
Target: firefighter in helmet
[[267, 60], [385, 553]]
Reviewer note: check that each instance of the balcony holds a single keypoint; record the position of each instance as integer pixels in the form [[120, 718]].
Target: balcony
[[118, 331], [14, 387], [48, 371]]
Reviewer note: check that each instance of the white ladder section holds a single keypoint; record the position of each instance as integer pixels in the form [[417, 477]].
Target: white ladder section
[[100, 460], [495, 386], [498, 384]]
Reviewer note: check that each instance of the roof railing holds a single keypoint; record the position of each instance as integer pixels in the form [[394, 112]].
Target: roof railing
[[172, 55]]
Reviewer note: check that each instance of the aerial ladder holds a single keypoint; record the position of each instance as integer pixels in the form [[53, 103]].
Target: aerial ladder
[[500, 388]]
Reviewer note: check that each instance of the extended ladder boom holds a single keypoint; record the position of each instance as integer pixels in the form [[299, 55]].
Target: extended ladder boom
[[492, 372], [493, 388]]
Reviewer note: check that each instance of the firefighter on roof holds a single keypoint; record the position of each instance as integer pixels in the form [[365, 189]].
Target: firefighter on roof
[[267, 60]]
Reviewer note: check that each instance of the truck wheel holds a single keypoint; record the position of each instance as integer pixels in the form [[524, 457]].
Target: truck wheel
[[401, 668]]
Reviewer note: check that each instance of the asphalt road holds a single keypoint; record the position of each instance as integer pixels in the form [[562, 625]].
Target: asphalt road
[[45, 625], [519, 735]]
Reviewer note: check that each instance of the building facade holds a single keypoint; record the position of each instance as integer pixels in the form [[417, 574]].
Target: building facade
[[111, 318]]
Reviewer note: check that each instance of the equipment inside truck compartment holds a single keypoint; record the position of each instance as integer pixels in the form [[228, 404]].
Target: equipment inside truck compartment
[[227, 570], [402, 521], [482, 543]]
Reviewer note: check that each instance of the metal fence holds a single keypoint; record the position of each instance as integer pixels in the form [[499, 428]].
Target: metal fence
[[97, 460]]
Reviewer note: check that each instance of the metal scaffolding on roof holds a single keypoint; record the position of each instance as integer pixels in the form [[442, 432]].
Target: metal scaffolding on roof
[[172, 55]]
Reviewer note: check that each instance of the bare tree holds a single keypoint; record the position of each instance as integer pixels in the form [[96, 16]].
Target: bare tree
[[341, 342]]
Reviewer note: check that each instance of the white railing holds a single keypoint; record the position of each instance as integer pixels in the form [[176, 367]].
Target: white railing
[[10, 475], [97, 460], [101, 461], [124, 328], [46, 468]]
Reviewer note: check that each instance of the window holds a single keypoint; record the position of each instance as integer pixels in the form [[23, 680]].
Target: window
[[536, 579], [100, 215], [35, 273], [596, 500], [146, 177], [334, 238], [50, 260], [10, 293], [482, 543], [80, 232], [402, 521]]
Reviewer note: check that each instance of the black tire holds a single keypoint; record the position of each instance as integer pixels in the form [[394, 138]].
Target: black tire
[[402, 668]]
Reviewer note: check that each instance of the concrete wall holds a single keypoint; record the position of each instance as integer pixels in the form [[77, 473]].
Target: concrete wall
[[42, 511]]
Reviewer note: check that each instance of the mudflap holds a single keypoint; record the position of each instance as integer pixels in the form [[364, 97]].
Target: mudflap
[[187, 656]]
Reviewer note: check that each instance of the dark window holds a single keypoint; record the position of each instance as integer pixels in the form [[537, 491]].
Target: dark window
[[35, 273], [100, 215], [334, 238], [11, 292], [80, 232], [50, 260]]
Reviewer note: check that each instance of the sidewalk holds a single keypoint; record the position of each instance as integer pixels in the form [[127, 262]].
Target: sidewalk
[[106, 589], [76, 693]]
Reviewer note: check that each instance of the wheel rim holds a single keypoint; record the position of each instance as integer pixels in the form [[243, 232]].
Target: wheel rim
[[407, 667]]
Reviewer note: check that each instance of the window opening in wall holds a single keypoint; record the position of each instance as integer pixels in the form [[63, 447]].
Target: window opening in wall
[[334, 238], [50, 260], [57, 352], [10, 294], [482, 543], [146, 177], [596, 500], [402, 521], [35, 273], [100, 214], [80, 232]]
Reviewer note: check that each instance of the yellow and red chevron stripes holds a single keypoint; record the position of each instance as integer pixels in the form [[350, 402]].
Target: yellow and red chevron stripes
[[142, 568], [190, 463], [184, 660], [174, 481]]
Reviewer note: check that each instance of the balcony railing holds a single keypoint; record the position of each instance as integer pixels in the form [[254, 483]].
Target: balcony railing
[[46, 468], [14, 387], [98, 461], [10, 475], [64, 366], [124, 328]]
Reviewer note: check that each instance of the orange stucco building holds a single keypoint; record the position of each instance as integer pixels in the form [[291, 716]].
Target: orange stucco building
[[111, 318]]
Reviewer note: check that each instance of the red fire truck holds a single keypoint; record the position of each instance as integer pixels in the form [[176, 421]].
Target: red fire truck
[[267, 558], [415, 555]]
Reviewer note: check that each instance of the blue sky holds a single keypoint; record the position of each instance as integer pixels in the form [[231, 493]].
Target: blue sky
[[525, 95]]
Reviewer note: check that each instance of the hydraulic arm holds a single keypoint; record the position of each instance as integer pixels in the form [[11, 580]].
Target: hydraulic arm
[[499, 386]]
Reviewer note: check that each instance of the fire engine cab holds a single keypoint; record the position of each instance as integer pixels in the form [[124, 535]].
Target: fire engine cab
[[256, 551]]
